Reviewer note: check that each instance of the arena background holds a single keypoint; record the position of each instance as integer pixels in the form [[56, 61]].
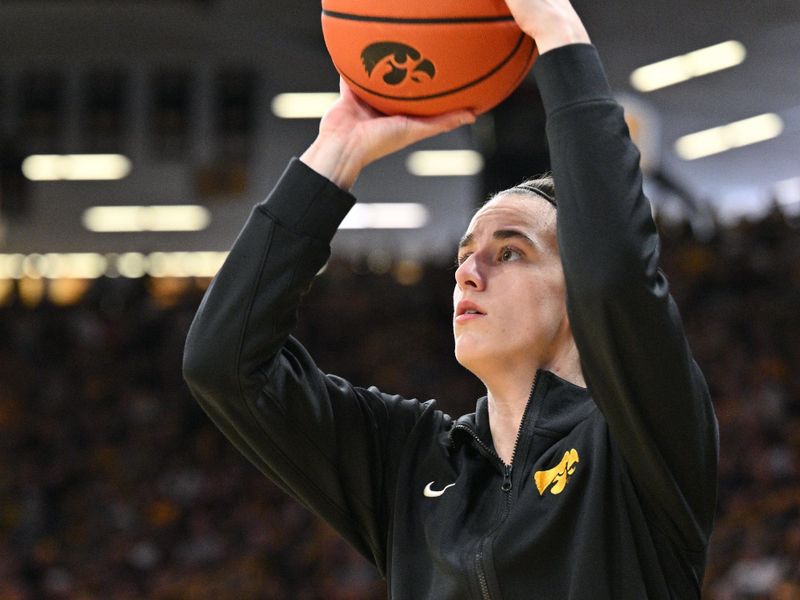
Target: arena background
[[114, 484]]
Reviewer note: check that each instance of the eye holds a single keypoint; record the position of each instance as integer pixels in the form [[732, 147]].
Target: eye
[[508, 254], [460, 259]]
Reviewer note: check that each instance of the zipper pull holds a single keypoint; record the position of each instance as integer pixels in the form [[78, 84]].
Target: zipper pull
[[506, 487]]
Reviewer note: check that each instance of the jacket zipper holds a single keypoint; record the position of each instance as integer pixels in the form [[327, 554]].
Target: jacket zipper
[[482, 576], [490, 452], [505, 486]]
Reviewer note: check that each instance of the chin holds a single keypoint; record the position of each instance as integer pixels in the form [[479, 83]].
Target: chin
[[467, 357]]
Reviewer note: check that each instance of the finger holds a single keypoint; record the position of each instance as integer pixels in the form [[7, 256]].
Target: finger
[[417, 129], [428, 126], [344, 89], [456, 118]]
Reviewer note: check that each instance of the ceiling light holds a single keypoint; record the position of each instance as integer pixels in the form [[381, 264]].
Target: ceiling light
[[131, 265], [79, 265], [447, 163], [91, 265], [727, 137], [76, 167], [302, 105], [787, 195], [11, 266], [184, 264], [395, 215], [114, 219], [687, 66]]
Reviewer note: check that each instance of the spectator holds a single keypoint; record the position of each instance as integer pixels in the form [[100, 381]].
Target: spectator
[[113, 484]]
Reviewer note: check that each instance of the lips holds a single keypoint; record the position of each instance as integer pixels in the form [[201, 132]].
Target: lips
[[466, 310]]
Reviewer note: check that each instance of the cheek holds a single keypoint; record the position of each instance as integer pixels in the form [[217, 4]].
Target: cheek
[[546, 300]]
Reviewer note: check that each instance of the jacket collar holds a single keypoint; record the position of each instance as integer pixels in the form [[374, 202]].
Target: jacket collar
[[557, 406]]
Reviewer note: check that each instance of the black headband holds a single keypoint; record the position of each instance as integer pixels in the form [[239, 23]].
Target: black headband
[[535, 190]]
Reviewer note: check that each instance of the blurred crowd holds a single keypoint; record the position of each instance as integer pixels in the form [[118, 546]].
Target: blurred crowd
[[114, 483], [738, 292]]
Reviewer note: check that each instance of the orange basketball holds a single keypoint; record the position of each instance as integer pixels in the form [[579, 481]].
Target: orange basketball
[[426, 57]]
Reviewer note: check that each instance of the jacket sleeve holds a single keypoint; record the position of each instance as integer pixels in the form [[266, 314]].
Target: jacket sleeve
[[633, 349], [327, 443]]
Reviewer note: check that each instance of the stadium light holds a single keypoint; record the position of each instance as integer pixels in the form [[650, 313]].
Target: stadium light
[[377, 215], [727, 137], [688, 66], [116, 219], [444, 163], [76, 167], [92, 265], [302, 105], [787, 194]]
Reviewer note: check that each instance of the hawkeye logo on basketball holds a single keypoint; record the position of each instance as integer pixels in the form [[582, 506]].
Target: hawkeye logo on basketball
[[556, 478], [397, 61]]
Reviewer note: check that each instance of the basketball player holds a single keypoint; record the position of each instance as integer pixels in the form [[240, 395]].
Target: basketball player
[[589, 469]]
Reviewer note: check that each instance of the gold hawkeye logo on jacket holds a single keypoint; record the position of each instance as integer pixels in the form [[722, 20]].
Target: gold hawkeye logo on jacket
[[558, 475]]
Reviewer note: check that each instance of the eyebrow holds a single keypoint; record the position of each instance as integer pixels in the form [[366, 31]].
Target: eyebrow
[[500, 234]]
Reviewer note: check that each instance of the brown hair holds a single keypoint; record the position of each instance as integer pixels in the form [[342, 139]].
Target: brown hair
[[543, 186]]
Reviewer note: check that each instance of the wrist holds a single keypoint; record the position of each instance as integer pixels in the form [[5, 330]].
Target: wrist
[[333, 159], [553, 39], [561, 28]]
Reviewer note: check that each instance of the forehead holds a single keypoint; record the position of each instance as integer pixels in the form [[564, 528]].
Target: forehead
[[526, 212]]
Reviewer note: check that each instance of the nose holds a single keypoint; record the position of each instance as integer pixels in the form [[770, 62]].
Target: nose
[[468, 274]]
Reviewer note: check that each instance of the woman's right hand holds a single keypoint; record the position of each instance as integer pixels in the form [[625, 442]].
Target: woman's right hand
[[552, 23], [352, 135]]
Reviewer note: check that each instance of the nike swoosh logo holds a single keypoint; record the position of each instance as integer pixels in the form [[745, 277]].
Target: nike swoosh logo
[[429, 492]]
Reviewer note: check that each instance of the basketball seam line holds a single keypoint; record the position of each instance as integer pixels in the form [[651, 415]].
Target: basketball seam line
[[415, 21], [483, 77]]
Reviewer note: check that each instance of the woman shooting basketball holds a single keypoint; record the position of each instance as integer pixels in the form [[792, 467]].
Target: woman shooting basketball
[[588, 470]]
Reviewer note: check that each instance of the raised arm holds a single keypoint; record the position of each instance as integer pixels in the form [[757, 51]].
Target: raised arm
[[634, 353], [326, 442], [552, 23]]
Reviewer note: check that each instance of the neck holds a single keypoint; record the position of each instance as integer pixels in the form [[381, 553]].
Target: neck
[[508, 396], [567, 364], [507, 401]]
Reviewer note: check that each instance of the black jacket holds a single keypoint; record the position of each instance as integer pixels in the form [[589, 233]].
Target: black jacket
[[613, 488]]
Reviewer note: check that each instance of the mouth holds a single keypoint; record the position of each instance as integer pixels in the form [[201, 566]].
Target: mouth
[[466, 310]]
